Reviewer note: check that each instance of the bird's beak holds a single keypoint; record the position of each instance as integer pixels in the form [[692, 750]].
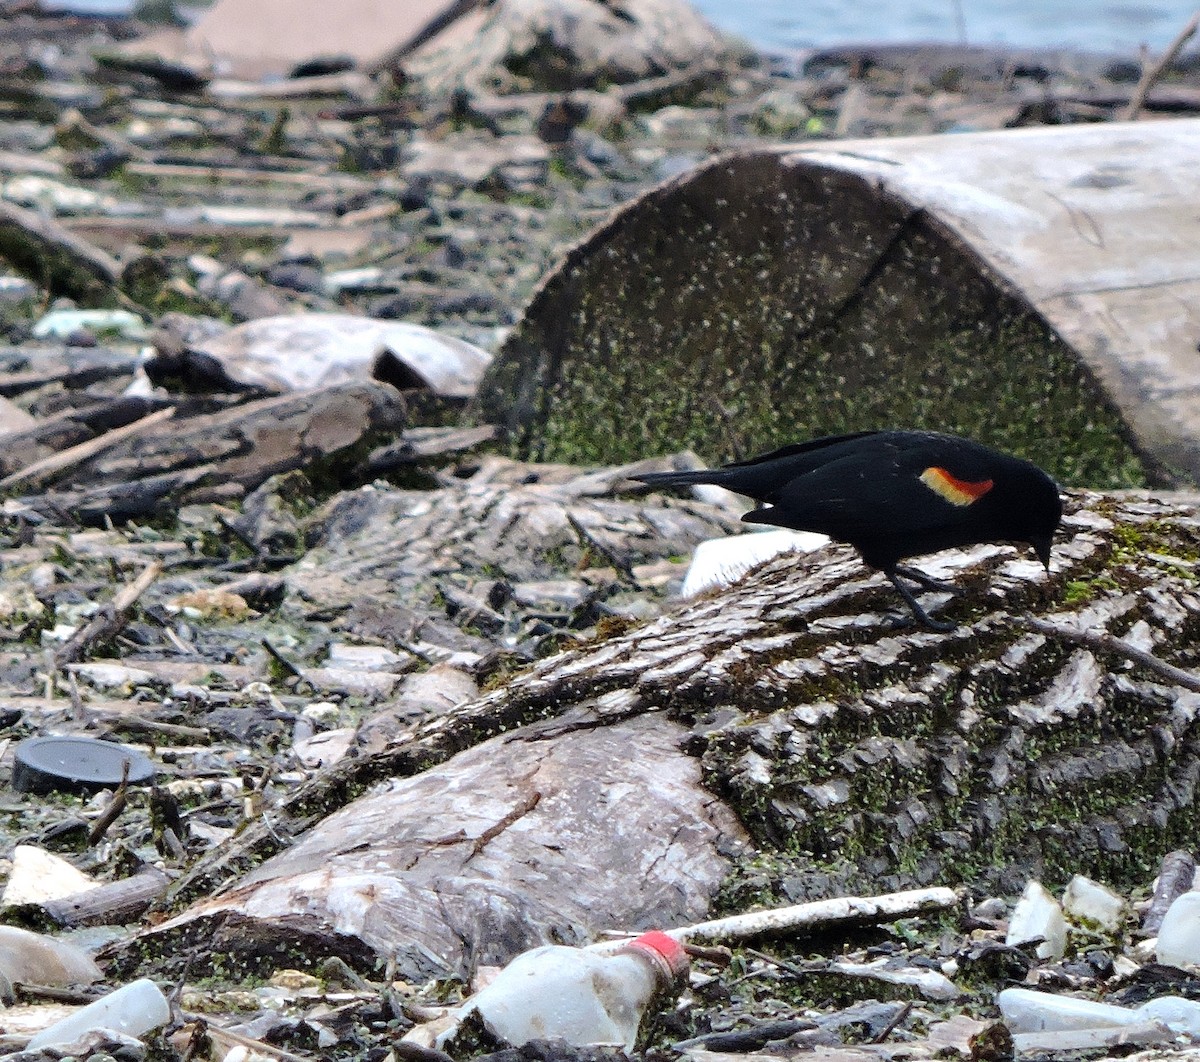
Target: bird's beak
[[1041, 546]]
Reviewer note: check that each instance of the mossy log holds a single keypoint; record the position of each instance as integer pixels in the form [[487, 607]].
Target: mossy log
[[853, 749], [1018, 287], [46, 252]]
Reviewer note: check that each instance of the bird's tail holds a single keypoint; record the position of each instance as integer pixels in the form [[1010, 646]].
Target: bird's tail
[[679, 479]]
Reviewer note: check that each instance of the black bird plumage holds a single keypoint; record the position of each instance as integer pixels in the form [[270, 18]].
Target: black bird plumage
[[893, 495]]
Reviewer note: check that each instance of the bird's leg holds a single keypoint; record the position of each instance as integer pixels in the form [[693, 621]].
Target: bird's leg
[[927, 581], [921, 615]]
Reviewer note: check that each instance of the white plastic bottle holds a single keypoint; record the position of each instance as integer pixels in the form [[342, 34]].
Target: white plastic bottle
[[133, 1009], [1027, 1011], [1177, 1014], [1179, 934], [585, 996]]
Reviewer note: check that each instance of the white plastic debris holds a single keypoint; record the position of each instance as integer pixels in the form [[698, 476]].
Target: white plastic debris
[[17, 289], [1027, 1011], [131, 1010], [366, 658], [1179, 934], [721, 561], [60, 324], [1038, 914], [585, 996], [53, 196], [1095, 906], [1176, 1013]]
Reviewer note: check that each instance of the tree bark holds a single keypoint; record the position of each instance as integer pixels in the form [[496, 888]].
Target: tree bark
[[861, 752]]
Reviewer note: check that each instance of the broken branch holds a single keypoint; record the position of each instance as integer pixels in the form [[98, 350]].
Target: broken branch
[[1152, 73], [109, 620], [1107, 643], [823, 914], [75, 455]]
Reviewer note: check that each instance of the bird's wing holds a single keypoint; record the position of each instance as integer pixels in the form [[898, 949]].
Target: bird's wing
[[763, 478], [860, 496], [793, 449]]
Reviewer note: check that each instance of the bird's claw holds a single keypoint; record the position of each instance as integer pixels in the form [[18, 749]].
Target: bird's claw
[[901, 621], [918, 612], [928, 582]]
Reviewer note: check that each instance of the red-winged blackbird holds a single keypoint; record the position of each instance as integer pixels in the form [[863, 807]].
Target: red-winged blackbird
[[892, 495]]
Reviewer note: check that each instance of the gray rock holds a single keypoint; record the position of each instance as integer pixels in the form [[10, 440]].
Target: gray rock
[[270, 519], [296, 277]]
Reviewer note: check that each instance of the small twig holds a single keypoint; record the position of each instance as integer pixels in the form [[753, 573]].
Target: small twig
[[153, 726], [782, 964], [174, 845], [1107, 643], [497, 828], [27, 992], [892, 1025], [109, 620], [1174, 879], [76, 696], [179, 642], [745, 1040], [244, 539], [716, 954], [589, 541], [224, 1040], [115, 806], [75, 455], [1152, 73], [283, 661]]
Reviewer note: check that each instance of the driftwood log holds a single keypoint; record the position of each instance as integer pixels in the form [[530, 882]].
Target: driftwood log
[[43, 250], [224, 455], [112, 902], [853, 751], [71, 427], [1032, 304]]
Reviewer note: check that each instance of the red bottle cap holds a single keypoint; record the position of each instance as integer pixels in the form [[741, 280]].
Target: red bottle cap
[[666, 951]]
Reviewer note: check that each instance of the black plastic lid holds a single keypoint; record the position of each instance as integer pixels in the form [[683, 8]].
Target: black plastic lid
[[75, 765]]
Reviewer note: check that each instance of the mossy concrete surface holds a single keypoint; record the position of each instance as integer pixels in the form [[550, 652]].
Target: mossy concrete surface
[[752, 303]]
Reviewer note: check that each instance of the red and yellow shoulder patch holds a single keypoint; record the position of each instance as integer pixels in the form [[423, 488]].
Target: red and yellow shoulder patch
[[955, 491]]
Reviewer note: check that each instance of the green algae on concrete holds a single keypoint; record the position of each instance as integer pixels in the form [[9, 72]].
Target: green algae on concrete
[[750, 305]]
